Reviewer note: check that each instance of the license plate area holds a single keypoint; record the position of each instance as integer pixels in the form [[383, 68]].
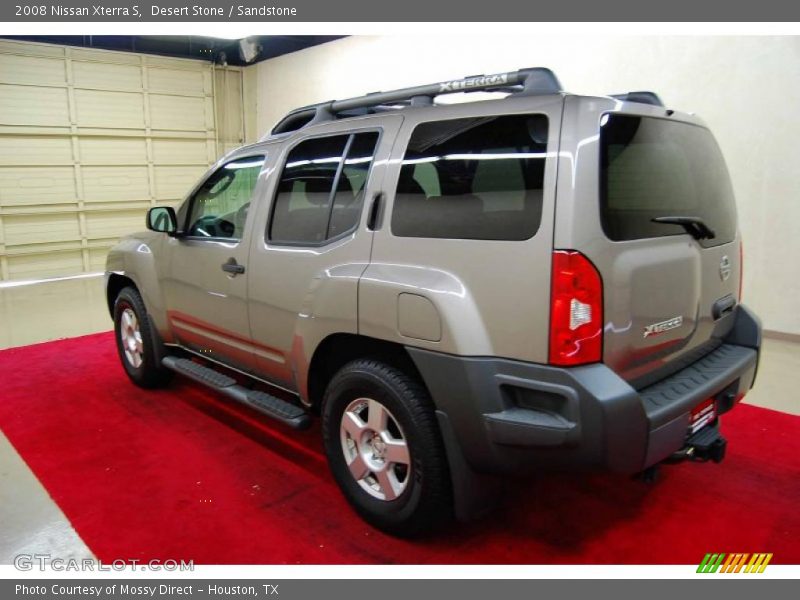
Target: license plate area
[[702, 415]]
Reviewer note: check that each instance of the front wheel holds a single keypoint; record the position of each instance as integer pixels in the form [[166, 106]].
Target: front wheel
[[384, 448], [136, 341]]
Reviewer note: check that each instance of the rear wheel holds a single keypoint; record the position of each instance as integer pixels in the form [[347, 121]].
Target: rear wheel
[[384, 448], [137, 341]]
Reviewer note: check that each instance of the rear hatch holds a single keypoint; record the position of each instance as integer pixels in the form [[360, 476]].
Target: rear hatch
[[670, 253]]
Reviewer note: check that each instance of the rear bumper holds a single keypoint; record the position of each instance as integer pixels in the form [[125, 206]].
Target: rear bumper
[[502, 416]]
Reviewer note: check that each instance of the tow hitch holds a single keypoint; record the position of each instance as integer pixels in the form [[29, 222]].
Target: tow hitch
[[706, 444], [703, 445]]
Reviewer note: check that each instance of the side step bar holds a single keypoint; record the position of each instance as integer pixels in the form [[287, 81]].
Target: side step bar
[[280, 410]]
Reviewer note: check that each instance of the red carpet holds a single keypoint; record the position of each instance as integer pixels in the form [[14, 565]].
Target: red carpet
[[182, 474]]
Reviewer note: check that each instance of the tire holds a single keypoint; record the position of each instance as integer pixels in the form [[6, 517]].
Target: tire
[[401, 499], [140, 358]]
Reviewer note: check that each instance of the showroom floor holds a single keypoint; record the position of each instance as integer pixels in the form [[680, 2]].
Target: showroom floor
[[32, 522]]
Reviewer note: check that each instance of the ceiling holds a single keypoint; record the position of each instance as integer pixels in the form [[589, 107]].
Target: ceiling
[[186, 46]]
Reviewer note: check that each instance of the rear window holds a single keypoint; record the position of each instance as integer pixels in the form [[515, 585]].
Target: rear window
[[651, 167], [476, 178]]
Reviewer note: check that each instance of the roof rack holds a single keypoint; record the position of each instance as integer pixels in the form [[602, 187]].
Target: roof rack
[[525, 82]]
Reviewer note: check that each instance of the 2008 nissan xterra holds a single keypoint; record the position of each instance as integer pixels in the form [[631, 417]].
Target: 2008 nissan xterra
[[459, 290]]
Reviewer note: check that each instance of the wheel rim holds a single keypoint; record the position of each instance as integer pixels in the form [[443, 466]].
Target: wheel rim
[[375, 449], [131, 337]]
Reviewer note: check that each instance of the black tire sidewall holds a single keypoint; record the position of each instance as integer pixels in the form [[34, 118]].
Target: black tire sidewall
[[149, 374], [404, 515]]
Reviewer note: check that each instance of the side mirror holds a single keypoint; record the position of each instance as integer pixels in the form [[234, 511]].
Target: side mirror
[[162, 219]]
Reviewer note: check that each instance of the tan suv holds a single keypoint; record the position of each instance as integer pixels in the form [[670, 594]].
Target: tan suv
[[463, 290]]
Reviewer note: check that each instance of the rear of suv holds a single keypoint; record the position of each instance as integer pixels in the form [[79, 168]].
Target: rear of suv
[[460, 291]]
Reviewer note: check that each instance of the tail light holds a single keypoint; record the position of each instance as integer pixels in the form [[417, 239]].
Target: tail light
[[576, 310], [741, 268]]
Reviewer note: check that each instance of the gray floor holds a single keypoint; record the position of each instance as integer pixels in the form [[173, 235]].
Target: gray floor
[[30, 522]]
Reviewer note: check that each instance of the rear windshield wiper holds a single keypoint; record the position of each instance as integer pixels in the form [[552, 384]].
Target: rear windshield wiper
[[694, 226]]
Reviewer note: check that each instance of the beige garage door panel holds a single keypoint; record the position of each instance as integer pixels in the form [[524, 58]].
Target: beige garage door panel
[[97, 259], [120, 110], [89, 140], [172, 183], [26, 151], [112, 225], [38, 229], [183, 82], [229, 89], [20, 186], [33, 70], [182, 152], [113, 151], [31, 105], [89, 54], [54, 264], [179, 113], [115, 184], [107, 76]]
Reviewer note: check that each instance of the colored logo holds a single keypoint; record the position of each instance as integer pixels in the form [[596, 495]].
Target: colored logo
[[734, 563]]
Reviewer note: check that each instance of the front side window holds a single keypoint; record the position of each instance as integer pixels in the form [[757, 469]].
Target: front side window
[[219, 208], [652, 167], [321, 190], [476, 178]]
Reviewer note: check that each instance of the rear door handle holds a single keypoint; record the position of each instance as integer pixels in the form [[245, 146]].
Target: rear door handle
[[232, 267], [374, 217]]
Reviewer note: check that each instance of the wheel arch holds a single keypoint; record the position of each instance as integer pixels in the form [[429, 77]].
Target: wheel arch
[[114, 285], [338, 349], [133, 262]]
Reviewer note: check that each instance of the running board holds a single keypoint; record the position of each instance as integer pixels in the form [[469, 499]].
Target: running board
[[271, 406]]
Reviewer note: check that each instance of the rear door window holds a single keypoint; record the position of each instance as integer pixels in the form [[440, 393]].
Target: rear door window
[[475, 178], [321, 191], [351, 186], [652, 167]]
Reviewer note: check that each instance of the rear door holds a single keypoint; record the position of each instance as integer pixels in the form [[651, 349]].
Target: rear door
[[313, 244], [669, 289]]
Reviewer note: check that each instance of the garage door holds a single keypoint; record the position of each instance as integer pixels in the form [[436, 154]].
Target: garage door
[[90, 139]]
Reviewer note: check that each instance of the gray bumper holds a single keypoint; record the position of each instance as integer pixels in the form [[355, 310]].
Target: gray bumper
[[507, 416]]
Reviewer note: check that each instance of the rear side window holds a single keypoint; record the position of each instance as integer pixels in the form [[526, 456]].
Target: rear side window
[[321, 190], [477, 178], [651, 167]]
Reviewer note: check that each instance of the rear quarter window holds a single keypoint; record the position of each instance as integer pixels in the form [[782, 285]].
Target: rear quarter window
[[652, 167], [475, 178]]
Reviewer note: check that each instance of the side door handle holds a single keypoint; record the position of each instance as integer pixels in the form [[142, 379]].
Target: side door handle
[[232, 267]]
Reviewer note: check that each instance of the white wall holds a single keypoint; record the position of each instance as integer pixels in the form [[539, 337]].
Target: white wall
[[746, 88]]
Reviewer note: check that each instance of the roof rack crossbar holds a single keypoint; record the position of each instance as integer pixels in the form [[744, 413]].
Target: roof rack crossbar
[[534, 81]]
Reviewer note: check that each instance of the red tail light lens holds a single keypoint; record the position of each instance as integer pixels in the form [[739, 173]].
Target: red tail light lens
[[576, 310]]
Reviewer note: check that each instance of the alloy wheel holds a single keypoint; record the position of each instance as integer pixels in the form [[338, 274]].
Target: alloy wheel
[[375, 449]]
